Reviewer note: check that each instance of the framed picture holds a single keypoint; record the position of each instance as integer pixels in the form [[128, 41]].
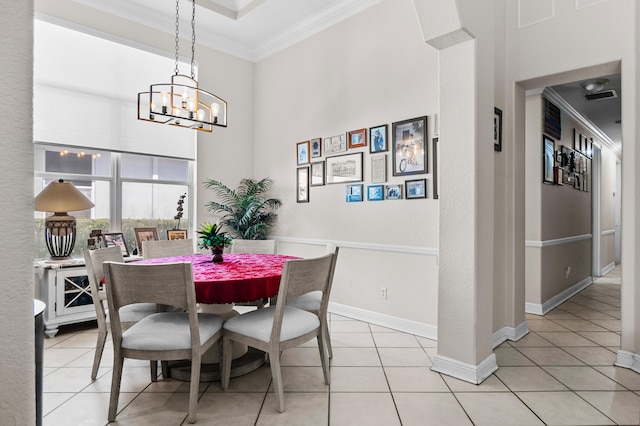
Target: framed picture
[[176, 234], [378, 139], [302, 149], [497, 129], [548, 148], [317, 173], [357, 138], [409, 146], [393, 192], [116, 239], [576, 140], [375, 193], [379, 168], [354, 193], [335, 144], [302, 183], [145, 234], [415, 189], [344, 168], [316, 148]]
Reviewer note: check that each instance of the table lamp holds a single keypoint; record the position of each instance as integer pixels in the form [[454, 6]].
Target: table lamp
[[60, 228]]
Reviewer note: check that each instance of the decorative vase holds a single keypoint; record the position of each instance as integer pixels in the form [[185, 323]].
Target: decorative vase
[[217, 254]]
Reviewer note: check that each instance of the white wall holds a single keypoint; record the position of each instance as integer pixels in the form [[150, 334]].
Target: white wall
[[368, 70], [17, 369]]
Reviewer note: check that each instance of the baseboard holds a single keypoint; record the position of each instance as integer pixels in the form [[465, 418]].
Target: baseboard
[[629, 360], [537, 309], [383, 320], [510, 333], [469, 373], [610, 267]]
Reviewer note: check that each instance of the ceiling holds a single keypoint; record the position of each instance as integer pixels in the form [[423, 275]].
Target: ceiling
[[604, 113], [249, 29]]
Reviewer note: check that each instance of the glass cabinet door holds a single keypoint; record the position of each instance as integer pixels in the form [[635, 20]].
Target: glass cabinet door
[[74, 292]]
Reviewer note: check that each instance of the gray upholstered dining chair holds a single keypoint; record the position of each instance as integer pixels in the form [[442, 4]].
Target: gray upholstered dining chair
[[175, 335], [280, 327], [94, 260], [164, 248], [312, 301], [256, 247]]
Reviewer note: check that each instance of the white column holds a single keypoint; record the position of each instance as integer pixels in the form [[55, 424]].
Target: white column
[[17, 369]]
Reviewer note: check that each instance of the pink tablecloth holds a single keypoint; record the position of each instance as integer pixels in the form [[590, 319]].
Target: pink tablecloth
[[240, 278]]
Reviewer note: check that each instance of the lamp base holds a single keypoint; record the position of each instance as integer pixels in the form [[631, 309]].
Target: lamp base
[[60, 235]]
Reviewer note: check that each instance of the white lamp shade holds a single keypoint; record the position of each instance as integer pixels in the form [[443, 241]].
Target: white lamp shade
[[61, 196]]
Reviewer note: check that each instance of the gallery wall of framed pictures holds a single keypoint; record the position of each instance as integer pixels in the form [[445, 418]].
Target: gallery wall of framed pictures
[[568, 165], [369, 161]]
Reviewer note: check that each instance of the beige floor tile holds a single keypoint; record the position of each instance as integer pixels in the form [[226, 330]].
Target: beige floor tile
[[68, 380], [563, 408], [491, 384], [427, 343], [582, 378], [414, 379], [550, 356], [607, 338], [302, 379], [404, 357], [528, 379], [229, 408], [432, 352], [591, 315], [86, 360], [301, 357], [395, 340], [310, 409], [614, 313], [379, 329], [173, 385], [154, 409], [336, 317], [256, 381], [355, 357], [559, 313], [496, 409], [371, 409], [352, 340], [509, 357], [626, 377], [531, 339], [55, 357], [80, 340], [578, 325], [51, 401], [86, 409], [544, 325], [349, 327], [358, 379], [134, 379], [621, 407], [593, 355], [438, 408], [609, 324], [567, 338]]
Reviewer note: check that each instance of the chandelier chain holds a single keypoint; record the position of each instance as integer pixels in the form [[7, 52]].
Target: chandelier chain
[[176, 69], [193, 38]]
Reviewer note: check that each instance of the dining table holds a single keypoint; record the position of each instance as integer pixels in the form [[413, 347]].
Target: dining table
[[241, 277]]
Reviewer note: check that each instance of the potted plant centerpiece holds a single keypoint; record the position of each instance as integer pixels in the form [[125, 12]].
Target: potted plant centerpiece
[[211, 237]]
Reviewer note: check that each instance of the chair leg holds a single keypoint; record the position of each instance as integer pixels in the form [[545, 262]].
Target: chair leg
[[97, 357], [276, 376], [164, 365], [322, 347], [225, 365], [327, 338], [194, 388], [154, 370], [116, 378]]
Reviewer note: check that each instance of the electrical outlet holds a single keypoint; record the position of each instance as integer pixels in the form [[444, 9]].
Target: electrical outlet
[[383, 292]]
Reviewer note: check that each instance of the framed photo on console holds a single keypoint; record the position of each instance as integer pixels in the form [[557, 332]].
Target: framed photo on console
[[116, 239], [176, 234]]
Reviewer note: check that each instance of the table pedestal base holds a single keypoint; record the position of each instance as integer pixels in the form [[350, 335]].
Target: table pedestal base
[[252, 360]]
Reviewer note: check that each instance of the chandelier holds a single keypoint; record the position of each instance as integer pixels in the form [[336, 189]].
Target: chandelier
[[182, 103]]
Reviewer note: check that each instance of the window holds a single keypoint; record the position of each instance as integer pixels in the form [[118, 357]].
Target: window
[[128, 190]]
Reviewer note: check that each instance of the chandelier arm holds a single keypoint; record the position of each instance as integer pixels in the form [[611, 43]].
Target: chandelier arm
[[176, 70]]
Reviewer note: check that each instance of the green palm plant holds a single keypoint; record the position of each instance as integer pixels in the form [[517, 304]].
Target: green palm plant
[[247, 212]]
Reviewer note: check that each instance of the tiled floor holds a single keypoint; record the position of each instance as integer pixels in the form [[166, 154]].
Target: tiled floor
[[561, 373]]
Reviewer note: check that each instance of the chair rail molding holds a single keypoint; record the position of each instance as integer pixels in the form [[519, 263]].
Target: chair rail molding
[[557, 241], [390, 248]]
